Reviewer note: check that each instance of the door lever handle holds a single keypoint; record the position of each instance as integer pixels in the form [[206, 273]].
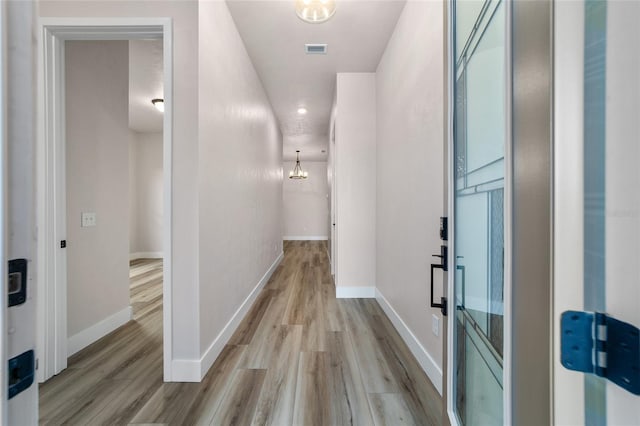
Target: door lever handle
[[442, 265], [443, 300], [444, 258]]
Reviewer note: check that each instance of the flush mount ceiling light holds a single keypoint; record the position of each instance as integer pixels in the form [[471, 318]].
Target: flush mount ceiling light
[[302, 110], [158, 103], [315, 11], [297, 172]]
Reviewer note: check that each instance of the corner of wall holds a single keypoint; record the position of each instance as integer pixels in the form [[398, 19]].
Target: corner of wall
[[84, 338], [428, 364], [414, 55], [215, 348]]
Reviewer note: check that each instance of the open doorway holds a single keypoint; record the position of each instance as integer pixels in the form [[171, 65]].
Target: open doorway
[[86, 186], [113, 161], [146, 106]]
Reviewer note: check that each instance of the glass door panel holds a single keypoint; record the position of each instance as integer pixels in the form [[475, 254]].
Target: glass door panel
[[479, 145]]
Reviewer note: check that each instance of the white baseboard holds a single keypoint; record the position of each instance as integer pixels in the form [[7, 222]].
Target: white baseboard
[[185, 370], [81, 340], [305, 238], [355, 292], [145, 255], [194, 371], [425, 360]]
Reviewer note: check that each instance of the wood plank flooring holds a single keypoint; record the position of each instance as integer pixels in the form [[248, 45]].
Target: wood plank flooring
[[300, 357]]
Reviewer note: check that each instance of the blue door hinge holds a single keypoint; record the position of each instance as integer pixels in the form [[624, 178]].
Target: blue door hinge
[[599, 344]]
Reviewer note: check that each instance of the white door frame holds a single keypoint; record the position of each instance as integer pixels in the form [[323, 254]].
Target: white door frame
[[50, 176], [449, 373], [332, 209], [3, 216]]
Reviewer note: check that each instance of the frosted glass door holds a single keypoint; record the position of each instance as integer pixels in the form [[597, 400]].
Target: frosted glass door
[[479, 141]]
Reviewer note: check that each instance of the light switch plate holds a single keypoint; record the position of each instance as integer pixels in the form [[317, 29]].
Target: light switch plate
[[435, 325], [88, 219]]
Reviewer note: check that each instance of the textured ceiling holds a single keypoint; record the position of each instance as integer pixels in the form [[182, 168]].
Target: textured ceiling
[[275, 37]]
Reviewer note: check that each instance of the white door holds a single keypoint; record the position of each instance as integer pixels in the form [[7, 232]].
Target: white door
[[19, 104], [597, 195]]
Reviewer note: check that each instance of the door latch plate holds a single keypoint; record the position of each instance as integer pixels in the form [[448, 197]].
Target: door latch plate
[[21, 371], [17, 282]]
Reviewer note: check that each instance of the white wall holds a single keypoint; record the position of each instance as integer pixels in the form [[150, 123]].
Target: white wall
[[331, 175], [146, 186], [240, 183], [355, 170], [97, 163], [227, 152], [184, 15], [305, 202], [146, 82], [410, 108]]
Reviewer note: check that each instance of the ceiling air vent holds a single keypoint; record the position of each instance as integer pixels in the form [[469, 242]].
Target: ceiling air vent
[[315, 49]]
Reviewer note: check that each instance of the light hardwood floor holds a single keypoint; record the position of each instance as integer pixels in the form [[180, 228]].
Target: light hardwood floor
[[300, 357]]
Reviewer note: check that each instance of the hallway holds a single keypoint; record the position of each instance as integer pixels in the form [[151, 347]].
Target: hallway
[[299, 357], [455, 183]]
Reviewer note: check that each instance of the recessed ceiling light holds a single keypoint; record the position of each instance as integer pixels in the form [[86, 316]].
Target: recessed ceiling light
[[158, 103], [302, 110], [315, 11]]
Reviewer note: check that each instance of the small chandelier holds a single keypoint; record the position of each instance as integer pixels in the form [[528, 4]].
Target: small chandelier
[[315, 11], [297, 172]]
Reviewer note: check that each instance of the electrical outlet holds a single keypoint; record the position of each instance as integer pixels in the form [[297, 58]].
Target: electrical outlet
[[435, 325], [88, 219]]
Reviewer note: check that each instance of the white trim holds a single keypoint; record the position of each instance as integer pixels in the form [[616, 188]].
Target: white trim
[[51, 215], [51, 206], [167, 216], [186, 370], [305, 238], [120, 28], [4, 142], [81, 340], [193, 370], [343, 292], [146, 255], [428, 364]]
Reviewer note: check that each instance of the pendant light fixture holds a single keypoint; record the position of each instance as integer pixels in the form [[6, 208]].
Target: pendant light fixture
[[297, 172], [315, 11]]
